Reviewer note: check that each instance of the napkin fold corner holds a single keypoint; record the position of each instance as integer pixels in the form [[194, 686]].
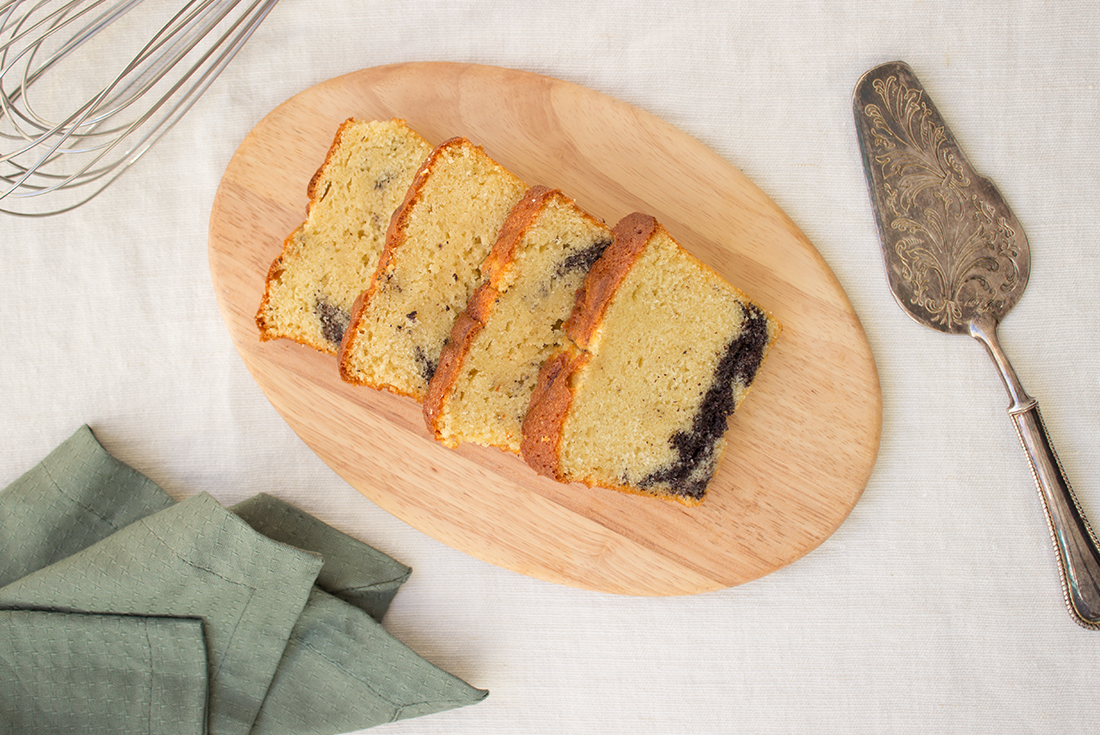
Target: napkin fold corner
[[121, 609]]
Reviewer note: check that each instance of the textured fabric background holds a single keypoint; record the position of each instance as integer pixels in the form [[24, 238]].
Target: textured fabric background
[[935, 607]]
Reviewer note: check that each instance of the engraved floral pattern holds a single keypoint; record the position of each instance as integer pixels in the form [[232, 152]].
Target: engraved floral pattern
[[955, 248]]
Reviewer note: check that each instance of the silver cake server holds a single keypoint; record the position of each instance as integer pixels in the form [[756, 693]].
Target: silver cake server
[[957, 260]]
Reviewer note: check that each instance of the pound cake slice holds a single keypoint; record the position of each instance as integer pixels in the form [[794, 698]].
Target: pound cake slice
[[329, 260], [430, 266], [663, 351], [513, 322]]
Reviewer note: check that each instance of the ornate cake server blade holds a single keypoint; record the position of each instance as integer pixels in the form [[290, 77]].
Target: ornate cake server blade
[[957, 260]]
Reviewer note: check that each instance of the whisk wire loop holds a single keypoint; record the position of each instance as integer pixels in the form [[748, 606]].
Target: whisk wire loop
[[93, 142]]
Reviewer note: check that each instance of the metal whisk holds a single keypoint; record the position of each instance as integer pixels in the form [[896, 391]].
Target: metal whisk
[[71, 123]]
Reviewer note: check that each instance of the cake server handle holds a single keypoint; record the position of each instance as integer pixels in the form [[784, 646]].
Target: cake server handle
[[1074, 542]]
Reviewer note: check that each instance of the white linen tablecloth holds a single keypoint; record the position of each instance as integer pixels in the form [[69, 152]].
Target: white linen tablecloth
[[935, 608]]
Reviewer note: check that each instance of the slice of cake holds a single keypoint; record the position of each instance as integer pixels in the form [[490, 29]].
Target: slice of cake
[[513, 322], [437, 240], [664, 350], [329, 260]]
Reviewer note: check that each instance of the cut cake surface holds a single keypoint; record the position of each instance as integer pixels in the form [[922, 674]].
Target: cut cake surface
[[663, 350], [330, 258], [437, 240], [513, 322]]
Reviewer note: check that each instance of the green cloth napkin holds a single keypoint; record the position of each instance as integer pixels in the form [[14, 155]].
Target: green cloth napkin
[[73, 673], [77, 495], [123, 611], [342, 669], [353, 571]]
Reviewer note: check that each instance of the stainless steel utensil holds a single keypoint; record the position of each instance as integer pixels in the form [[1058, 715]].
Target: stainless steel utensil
[[957, 260], [86, 87]]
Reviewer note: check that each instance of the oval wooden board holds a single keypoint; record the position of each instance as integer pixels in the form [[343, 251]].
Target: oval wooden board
[[801, 448]]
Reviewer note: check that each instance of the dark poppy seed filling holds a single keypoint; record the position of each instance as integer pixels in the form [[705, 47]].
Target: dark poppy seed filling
[[383, 180], [425, 365], [581, 260], [694, 465], [334, 320]]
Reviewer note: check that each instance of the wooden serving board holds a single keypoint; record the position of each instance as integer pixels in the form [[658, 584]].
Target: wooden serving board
[[801, 448]]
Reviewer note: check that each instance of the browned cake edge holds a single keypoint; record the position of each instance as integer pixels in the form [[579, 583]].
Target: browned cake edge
[[273, 273], [550, 403], [394, 240], [276, 268], [542, 427], [474, 317], [311, 188], [629, 238]]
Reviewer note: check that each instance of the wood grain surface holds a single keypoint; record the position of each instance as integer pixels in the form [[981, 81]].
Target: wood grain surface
[[801, 448]]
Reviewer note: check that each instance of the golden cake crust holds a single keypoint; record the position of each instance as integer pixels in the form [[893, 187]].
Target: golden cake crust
[[337, 139], [542, 428], [466, 327], [273, 273], [545, 422], [277, 267], [629, 238], [550, 402]]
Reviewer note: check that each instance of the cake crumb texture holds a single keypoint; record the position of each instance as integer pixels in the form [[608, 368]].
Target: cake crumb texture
[[328, 261], [513, 322], [430, 266], [664, 351]]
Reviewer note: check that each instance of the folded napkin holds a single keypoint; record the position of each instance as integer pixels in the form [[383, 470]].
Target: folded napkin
[[122, 611]]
